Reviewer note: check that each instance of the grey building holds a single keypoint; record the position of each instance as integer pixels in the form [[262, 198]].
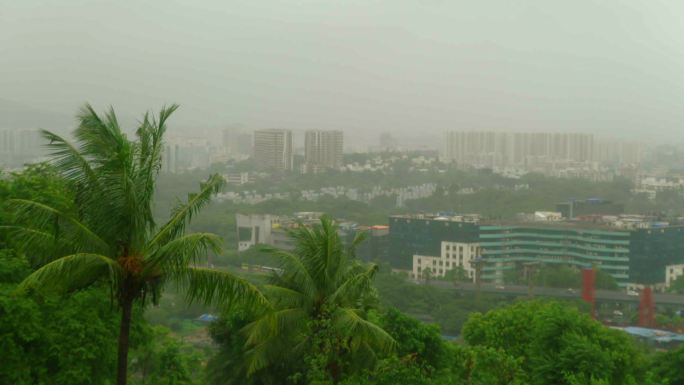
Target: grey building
[[322, 150], [273, 149]]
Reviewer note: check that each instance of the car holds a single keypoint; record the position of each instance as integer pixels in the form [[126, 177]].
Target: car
[[632, 292], [571, 290], [499, 287]]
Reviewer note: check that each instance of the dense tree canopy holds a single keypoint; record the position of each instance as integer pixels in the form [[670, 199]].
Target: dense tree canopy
[[558, 344]]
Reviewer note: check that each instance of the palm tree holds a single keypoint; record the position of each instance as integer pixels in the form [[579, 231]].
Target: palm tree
[[319, 301], [108, 233]]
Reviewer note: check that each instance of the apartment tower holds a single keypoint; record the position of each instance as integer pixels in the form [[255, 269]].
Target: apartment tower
[[273, 149], [322, 150]]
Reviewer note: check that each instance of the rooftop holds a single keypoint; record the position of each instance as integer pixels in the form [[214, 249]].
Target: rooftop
[[442, 216]]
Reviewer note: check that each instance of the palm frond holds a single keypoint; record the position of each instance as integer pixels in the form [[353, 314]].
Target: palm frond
[[274, 323], [214, 287], [40, 246], [70, 163], [284, 297], [180, 252], [42, 216], [354, 287], [361, 331], [272, 334], [73, 272], [294, 271], [184, 212]]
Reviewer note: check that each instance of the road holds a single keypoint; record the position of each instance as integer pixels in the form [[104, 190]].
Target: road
[[601, 295]]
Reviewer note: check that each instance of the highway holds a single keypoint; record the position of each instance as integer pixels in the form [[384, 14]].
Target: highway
[[601, 295]]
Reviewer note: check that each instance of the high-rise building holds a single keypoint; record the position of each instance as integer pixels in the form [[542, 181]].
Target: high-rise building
[[322, 149], [170, 158], [19, 146], [273, 149], [499, 149]]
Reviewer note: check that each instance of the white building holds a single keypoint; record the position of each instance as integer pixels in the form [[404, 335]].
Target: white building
[[253, 229], [672, 272], [239, 178], [453, 255]]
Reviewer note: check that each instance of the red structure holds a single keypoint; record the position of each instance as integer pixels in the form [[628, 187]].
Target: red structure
[[588, 289], [647, 309]]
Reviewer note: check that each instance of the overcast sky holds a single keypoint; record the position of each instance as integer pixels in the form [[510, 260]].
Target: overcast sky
[[421, 66]]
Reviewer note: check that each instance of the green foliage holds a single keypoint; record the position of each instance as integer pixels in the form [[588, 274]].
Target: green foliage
[[165, 360], [107, 234], [556, 341], [667, 366], [316, 323], [57, 341], [447, 308], [677, 286], [605, 281], [416, 341]]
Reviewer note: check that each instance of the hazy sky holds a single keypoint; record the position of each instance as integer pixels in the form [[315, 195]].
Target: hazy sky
[[417, 66]]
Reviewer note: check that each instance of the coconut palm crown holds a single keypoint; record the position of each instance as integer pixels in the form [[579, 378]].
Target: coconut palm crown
[[320, 299], [108, 233]]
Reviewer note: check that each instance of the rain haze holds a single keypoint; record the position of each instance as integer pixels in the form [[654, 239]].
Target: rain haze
[[365, 67]]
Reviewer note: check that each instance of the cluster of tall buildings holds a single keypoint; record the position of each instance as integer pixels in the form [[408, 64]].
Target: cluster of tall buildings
[[273, 150], [525, 149]]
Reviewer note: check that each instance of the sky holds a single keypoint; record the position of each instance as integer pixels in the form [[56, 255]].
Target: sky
[[414, 68]]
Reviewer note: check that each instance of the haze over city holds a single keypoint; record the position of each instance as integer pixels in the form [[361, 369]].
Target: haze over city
[[413, 68], [341, 192]]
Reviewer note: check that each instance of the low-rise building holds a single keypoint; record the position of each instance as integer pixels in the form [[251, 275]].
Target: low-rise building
[[672, 272], [631, 248], [239, 178], [453, 255], [423, 234]]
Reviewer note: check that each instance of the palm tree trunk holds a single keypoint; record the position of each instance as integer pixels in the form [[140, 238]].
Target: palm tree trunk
[[124, 330]]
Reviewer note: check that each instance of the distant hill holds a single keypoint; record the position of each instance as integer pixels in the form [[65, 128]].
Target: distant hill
[[19, 115]]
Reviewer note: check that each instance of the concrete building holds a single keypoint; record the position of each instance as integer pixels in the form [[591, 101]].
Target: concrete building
[[592, 206], [273, 150], [499, 149], [322, 150], [423, 234], [239, 178], [453, 255], [266, 229], [673, 272], [631, 248], [375, 247], [20, 146], [170, 158], [254, 229]]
